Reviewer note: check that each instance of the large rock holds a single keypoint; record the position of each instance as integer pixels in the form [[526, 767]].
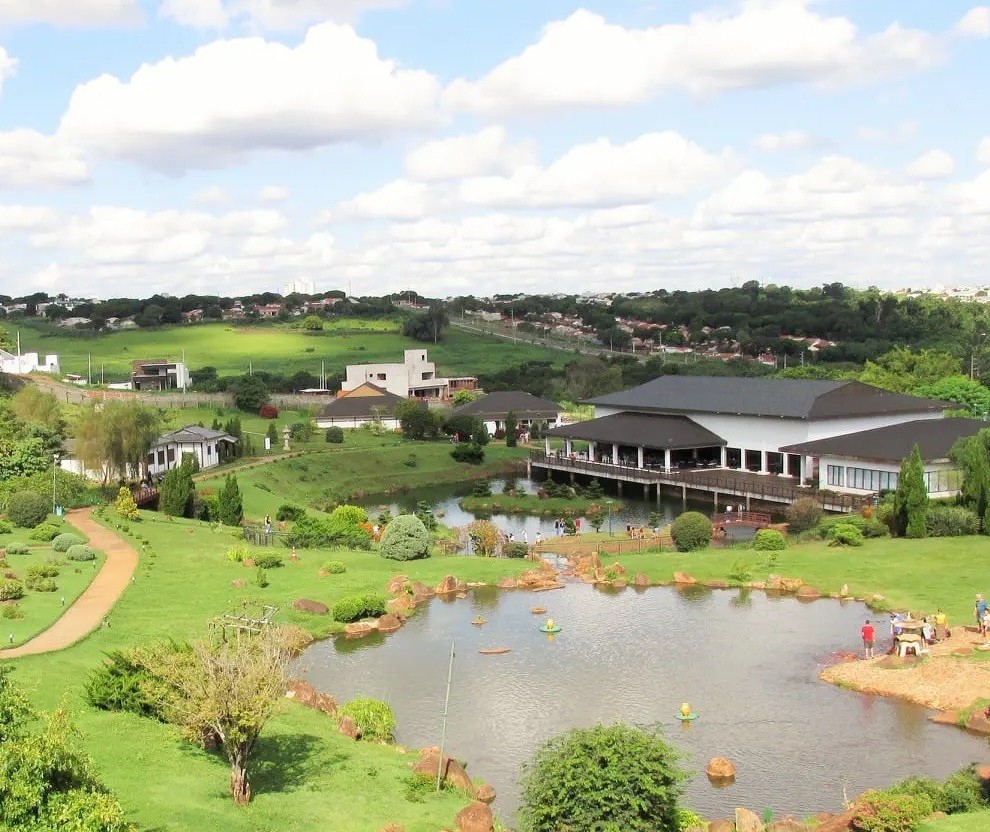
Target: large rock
[[486, 794], [945, 718], [808, 593], [397, 584], [844, 591], [684, 578], [790, 584], [837, 823], [303, 692], [389, 623], [475, 818], [508, 583], [348, 727], [979, 722], [359, 629], [451, 585], [421, 592], [748, 821], [719, 768], [401, 605], [721, 825], [453, 772], [640, 580], [312, 607], [619, 583], [787, 825]]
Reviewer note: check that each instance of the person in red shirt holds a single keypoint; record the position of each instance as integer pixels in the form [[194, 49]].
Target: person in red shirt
[[869, 637]]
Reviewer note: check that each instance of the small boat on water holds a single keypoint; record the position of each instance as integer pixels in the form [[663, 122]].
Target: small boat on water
[[494, 651]]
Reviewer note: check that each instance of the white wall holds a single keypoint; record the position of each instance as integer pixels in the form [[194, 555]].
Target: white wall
[[892, 467], [354, 422], [399, 378], [27, 362], [197, 449]]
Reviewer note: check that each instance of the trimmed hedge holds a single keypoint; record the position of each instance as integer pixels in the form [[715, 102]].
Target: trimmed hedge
[[405, 538], [290, 512], [16, 549], [46, 532], [515, 550], [27, 509], [769, 540], [81, 552], [691, 531], [62, 542], [334, 567], [356, 607], [335, 435], [845, 534], [42, 570], [39, 584], [268, 560], [11, 590], [951, 521]]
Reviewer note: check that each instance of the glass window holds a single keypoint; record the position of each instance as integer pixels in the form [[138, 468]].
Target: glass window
[[835, 473]]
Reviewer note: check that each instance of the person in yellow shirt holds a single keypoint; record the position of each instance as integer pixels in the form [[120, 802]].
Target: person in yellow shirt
[[941, 625]]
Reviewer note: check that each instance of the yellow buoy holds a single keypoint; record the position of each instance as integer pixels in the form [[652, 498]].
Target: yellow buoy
[[549, 623], [686, 709]]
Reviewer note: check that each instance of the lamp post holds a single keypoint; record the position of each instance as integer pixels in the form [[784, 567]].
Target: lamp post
[[54, 474], [608, 505]]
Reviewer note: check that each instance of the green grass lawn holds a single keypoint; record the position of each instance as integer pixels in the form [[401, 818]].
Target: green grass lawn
[[920, 575], [363, 465], [308, 777], [971, 822], [275, 348]]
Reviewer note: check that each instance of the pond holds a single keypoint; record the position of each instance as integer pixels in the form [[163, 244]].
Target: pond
[[746, 662], [444, 501]]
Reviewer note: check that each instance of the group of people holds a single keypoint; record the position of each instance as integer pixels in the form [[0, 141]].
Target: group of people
[[934, 628]]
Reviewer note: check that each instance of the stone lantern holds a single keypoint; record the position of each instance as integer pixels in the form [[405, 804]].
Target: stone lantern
[[286, 433]]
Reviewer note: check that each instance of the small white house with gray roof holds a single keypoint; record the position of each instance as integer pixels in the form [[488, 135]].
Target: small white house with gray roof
[[209, 447]]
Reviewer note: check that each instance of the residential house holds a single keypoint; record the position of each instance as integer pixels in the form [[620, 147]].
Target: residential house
[[416, 377], [209, 447], [364, 404], [159, 374], [529, 410]]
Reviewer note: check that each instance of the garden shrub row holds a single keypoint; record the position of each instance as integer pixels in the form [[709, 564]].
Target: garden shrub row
[[62, 542], [374, 718], [81, 552], [355, 607]]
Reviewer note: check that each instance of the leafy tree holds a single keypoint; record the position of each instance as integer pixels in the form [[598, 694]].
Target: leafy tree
[[417, 421], [691, 531], [250, 392], [911, 497], [114, 437], [463, 397], [33, 405], [903, 370], [485, 537], [511, 430], [973, 396], [175, 497], [609, 778], [313, 323], [230, 690], [229, 502], [124, 505], [427, 326], [461, 425], [972, 456], [27, 509]]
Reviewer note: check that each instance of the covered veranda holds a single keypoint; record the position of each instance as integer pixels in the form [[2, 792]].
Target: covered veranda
[[643, 441]]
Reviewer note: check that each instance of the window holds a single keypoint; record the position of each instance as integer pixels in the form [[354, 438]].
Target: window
[[381, 376], [161, 457], [869, 479], [835, 474], [209, 450], [170, 454], [941, 481]]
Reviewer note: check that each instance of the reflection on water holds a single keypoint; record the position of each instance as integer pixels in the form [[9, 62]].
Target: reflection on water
[[748, 668]]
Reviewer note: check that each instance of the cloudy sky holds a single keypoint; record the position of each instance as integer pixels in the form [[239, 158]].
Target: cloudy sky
[[478, 146]]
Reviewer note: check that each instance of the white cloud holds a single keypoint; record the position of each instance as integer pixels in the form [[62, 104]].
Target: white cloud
[[70, 12], [602, 174], [269, 14], [781, 142], [935, 164], [888, 135], [274, 193], [214, 195], [8, 66], [232, 97], [26, 217], [983, 151], [31, 159], [585, 61], [398, 200], [975, 23], [476, 154]]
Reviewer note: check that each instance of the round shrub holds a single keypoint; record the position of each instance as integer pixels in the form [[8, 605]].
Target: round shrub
[[334, 567], [803, 514], [16, 549], [36, 584], [405, 538], [374, 718], [62, 542], [335, 435], [769, 540], [27, 509], [80, 552], [42, 570], [876, 528], [951, 521], [351, 515], [46, 532], [356, 607], [12, 611], [10, 590], [845, 534], [289, 512], [6, 527], [515, 550], [691, 531], [607, 777], [268, 560], [883, 812]]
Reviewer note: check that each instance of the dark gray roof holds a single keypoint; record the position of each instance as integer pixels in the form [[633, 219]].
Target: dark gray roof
[[361, 407], [497, 406], [934, 438], [773, 397], [194, 433], [642, 429]]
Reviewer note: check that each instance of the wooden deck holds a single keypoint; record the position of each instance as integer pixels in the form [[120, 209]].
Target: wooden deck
[[725, 485]]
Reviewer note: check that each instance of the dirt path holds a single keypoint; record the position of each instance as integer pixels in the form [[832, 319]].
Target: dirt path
[[944, 681], [93, 606]]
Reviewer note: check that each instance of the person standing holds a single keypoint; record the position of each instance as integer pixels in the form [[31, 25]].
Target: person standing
[[869, 638], [980, 611]]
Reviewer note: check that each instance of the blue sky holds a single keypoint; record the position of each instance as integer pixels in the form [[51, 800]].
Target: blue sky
[[484, 146]]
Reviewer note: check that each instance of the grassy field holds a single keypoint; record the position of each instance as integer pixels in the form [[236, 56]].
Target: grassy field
[[974, 822], [308, 776], [41, 609], [274, 348], [363, 465]]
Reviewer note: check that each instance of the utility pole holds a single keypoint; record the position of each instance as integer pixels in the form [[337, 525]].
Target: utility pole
[[443, 729]]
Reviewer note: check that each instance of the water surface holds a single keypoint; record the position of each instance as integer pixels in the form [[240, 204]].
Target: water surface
[[746, 662]]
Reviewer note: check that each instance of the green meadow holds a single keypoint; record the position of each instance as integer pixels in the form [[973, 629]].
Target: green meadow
[[276, 348]]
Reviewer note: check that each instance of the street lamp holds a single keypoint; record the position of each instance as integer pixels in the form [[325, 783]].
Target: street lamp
[[608, 505], [54, 473]]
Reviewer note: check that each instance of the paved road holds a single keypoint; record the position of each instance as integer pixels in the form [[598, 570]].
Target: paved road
[[92, 607]]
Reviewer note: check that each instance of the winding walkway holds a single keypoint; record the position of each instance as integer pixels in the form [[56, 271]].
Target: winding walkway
[[92, 607]]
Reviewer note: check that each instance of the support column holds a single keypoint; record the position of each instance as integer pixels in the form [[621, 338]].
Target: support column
[[615, 453], [639, 456], [666, 458], [646, 491], [715, 501], [684, 496], [763, 462], [546, 444], [568, 448], [724, 457], [591, 452], [618, 485]]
